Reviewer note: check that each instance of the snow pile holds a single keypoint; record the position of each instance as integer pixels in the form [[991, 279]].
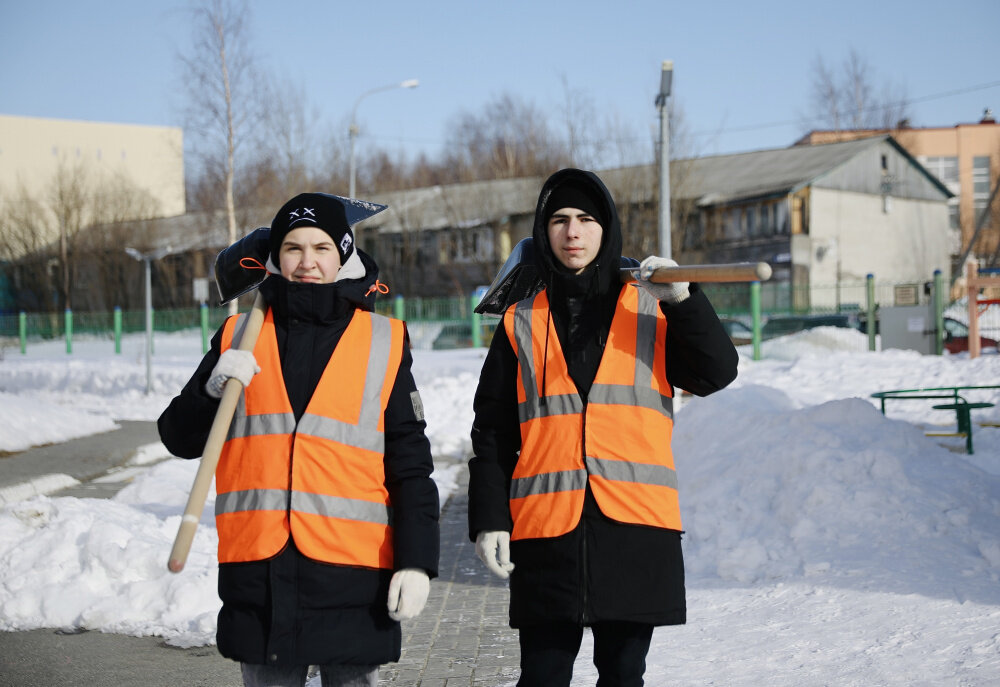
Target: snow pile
[[778, 492]]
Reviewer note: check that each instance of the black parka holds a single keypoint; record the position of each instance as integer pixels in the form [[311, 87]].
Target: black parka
[[291, 610], [602, 570]]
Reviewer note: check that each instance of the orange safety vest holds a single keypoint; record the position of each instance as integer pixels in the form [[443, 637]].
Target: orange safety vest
[[321, 479], [619, 441]]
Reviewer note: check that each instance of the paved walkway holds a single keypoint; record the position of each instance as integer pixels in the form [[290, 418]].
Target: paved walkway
[[462, 636], [460, 639]]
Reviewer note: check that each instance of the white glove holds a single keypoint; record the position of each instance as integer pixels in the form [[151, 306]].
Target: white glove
[[233, 363], [408, 590], [493, 549], [671, 292]]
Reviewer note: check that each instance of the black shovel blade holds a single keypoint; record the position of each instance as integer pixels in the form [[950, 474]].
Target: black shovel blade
[[517, 279], [240, 267]]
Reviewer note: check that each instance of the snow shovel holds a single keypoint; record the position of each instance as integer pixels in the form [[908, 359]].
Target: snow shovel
[[238, 270], [232, 281], [518, 278]]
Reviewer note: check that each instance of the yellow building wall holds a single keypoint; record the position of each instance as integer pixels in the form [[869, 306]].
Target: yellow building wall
[[33, 149]]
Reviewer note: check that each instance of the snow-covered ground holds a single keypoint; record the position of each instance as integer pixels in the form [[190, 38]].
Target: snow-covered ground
[[826, 543]]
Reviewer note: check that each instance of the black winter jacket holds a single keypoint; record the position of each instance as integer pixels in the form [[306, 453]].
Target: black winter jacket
[[603, 570], [291, 610]]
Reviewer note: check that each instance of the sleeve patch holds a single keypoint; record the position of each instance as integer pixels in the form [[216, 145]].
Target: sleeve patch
[[418, 405]]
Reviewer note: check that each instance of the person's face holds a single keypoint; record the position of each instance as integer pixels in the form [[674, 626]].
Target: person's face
[[575, 237], [308, 255]]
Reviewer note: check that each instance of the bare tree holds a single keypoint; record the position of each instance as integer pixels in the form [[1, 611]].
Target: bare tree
[[290, 147], [846, 96], [118, 207], [53, 237], [509, 138], [26, 235], [224, 107]]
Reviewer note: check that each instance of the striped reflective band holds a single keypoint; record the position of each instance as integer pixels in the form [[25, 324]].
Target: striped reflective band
[[640, 394], [624, 471], [548, 483], [641, 397], [258, 425], [346, 433], [562, 404], [252, 499], [645, 337], [365, 435], [340, 507], [303, 502]]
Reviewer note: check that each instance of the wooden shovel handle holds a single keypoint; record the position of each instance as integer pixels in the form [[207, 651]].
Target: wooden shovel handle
[[729, 272], [213, 446]]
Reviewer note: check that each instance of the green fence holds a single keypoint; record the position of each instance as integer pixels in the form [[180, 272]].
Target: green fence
[[733, 300], [451, 322]]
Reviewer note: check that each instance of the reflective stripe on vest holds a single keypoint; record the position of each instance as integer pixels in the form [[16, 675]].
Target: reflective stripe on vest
[[277, 477], [619, 440]]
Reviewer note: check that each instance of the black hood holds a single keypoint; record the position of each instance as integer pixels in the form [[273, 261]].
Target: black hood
[[602, 275]]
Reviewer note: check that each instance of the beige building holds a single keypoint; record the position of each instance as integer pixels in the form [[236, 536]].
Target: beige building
[[35, 151], [966, 158]]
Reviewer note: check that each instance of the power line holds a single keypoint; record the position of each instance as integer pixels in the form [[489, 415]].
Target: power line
[[738, 129], [887, 106]]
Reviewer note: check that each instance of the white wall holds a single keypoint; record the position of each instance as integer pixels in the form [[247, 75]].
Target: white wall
[[852, 236]]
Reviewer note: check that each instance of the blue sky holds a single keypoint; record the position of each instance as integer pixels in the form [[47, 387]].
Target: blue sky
[[741, 69]]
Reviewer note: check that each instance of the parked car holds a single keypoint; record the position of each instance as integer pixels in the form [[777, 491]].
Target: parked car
[[956, 337], [782, 325], [739, 333], [457, 335]]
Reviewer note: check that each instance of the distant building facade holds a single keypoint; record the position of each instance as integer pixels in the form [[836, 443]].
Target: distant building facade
[[60, 178], [822, 216], [966, 158], [34, 151]]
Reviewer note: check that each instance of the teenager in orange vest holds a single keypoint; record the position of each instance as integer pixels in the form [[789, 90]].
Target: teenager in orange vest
[[326, 511], [572, 490]]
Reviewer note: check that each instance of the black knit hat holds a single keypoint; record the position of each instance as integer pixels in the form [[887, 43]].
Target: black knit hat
[[579, 195], [320, 210]]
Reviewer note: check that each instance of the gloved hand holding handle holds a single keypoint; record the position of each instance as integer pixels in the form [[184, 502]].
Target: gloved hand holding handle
[[673, 292], [233, 363]]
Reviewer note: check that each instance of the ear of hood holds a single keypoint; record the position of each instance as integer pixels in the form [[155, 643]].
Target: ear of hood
[[608, 258]]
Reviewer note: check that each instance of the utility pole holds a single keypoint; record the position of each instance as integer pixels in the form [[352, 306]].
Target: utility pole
[[666, 76]]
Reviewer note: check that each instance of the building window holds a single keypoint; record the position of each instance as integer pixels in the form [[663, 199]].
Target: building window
[[731, 225], [781, 218], [953, 222], [766, 225], [944, 168], [980, 187], [466, 245]]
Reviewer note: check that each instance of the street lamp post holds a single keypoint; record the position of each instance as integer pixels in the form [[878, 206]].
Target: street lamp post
[[148, 258], [666, 76], [353, 131]]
